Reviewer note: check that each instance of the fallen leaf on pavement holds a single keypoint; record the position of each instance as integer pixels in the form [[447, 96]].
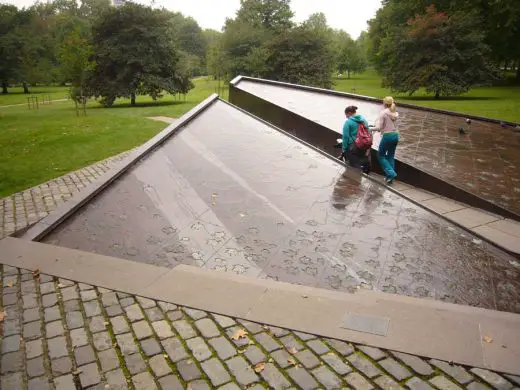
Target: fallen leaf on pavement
[[259, 367], [3, 314], [270, 360], [77, 372], [239, 334], [291, 362], [292, 350], [305, 296], [10, 283], [36, 273], [488, 339], [61, 285]]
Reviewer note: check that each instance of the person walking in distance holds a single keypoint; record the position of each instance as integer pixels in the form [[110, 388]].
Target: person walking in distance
[[357, 139], [386, 124]]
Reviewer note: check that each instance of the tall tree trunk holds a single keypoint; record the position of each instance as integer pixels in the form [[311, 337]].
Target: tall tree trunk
[[4, 87], [348, 73], [25, 88], [437, 94], [132, 99]]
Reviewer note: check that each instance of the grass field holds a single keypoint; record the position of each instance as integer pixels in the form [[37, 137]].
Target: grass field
[[498, 102], [16, 95], [38, 145]]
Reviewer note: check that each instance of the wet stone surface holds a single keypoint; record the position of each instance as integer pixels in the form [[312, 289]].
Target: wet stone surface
[[246, 199], [483, 161]]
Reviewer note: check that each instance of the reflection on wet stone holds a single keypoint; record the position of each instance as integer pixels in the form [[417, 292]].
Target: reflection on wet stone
[[200, 199], [484, 161]]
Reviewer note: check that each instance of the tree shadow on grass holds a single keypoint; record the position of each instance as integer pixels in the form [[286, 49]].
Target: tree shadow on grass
[[143, 104], [446, 98], [31, 92]]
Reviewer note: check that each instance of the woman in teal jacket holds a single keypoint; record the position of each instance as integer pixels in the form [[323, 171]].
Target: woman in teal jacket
[[355, 156]]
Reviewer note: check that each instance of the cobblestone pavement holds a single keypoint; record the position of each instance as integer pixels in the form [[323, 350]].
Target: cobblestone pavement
[[27, 207], [58, 334]]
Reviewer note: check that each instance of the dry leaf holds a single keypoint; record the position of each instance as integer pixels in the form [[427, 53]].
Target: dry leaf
[[10, 283], [259, 367], [77, 372], [292, 350], [270, 360], [61, 285], [305, 296], [291, 362], [241, 350], [239, 334], [36, 273], [488, 339], [3, 314]]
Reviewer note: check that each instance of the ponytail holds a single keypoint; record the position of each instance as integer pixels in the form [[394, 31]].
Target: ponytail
[[389, 103]]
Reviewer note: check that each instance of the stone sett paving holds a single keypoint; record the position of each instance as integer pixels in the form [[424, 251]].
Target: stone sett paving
[[24, 208], [58, 334]]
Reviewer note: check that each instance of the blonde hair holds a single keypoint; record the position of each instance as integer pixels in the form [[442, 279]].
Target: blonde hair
[[389, 102]]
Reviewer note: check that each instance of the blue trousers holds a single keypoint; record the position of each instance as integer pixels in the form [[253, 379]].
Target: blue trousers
[[387, 148]]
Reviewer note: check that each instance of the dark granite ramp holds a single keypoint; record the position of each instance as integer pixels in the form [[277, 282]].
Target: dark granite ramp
[[230, 193], [484, 162]]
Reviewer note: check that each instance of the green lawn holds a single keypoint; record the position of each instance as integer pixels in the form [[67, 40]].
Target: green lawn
[[498, 102], [38, 145], [16, 95]]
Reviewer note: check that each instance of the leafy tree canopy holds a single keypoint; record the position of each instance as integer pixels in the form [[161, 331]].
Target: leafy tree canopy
[[444, 53], [134, 53]]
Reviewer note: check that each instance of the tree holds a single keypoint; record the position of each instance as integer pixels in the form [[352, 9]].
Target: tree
[[299, 56], [134, 52], [239, 40], [188, 35], [256, 23], [445, 54], [275, 15], [497, 20], [350, 57], [75, 58], [12, 24], [214, 53], [317, 22]]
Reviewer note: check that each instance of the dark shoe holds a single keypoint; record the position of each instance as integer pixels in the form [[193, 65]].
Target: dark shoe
[[390, 180]]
